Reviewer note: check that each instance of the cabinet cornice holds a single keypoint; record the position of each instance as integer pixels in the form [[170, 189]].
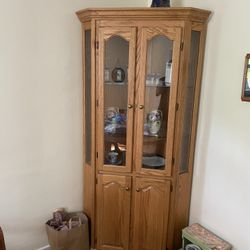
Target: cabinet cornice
[[187, 13]]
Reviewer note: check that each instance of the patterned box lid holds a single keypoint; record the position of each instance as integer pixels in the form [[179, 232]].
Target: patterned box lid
[[204, 238]]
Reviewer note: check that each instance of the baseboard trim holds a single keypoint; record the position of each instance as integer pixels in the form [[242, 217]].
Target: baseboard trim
[[44, 248]]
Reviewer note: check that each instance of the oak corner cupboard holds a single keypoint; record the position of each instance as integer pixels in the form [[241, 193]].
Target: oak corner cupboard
[[142, 77]]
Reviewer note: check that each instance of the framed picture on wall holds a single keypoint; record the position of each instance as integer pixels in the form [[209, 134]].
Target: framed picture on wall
[[245, 95]]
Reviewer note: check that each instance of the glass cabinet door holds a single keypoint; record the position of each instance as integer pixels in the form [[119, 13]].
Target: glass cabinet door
[[156, 107], [116, 98]]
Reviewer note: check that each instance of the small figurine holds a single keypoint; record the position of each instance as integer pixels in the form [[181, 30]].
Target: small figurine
[[160, 3]]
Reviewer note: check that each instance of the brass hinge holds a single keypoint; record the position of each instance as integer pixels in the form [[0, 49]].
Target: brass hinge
[[96, 154], [182, 46], [171, 188], [97, 103], [97, 45]]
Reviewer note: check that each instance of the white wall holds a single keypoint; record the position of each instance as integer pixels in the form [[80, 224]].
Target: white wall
[[221, 184], [41, 114]]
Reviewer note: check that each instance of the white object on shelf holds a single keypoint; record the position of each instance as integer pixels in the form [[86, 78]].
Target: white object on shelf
[[168, 73], [106, 75]]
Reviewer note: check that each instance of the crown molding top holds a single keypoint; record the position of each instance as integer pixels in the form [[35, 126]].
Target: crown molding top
[[186, 13]]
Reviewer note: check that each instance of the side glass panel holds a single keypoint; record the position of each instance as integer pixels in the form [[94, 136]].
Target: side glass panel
[[245, 95], [247, 83], [88, 96], [189, 101], [115, 100], [157, 91]]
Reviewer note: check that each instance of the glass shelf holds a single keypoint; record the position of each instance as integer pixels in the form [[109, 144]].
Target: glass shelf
[[152, 139], [116, 138], [158, 86], [116, 83]]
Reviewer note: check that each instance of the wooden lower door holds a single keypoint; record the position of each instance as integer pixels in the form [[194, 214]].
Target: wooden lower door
[[150, 214], [113, 210]]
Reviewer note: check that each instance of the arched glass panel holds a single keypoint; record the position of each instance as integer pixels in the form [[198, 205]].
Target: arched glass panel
[[115, 100], [157, 92]]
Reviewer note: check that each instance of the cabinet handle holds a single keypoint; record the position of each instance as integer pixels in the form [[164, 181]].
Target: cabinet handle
[[141, 107], [126, 188], [130, 106], [138, 190]]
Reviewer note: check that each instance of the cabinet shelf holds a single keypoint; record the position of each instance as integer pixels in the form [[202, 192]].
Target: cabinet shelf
[[116, 83], [152, 139], [158, 86], [121, 138]]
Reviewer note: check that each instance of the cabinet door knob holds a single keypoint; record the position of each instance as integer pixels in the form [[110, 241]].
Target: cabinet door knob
[[141, 107], [138, 190], [130, 106], [125, 188]]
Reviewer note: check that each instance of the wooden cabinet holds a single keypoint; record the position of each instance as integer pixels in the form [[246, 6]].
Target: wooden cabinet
[[142, 77], [150, 218], [113, 207]]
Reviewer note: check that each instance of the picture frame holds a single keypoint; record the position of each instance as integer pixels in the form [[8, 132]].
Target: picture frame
[[245, 93], [118, 75]]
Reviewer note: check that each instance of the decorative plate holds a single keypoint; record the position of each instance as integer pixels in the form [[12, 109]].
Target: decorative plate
[[153, 161]]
